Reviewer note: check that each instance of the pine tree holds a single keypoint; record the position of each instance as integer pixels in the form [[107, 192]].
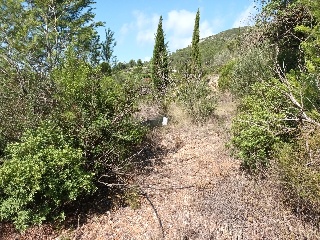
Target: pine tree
[[34, 38], [160, 70], [195, 52], [108, 46]]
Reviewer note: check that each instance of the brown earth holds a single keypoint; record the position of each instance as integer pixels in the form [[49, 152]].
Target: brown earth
[[194, 190]]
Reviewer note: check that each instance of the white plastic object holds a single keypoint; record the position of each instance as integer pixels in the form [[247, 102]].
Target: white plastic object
[[164, 121]]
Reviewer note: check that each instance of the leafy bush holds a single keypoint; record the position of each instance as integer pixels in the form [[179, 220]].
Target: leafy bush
[[197, 98], [40, 174], [261, 120], [225, 79], [253, 66], [96, 112], [299, 168], [260, 124], [16, 110], [85, 141]]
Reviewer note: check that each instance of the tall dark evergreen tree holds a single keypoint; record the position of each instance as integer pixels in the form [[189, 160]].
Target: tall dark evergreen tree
[[195, 52], [160, 70]]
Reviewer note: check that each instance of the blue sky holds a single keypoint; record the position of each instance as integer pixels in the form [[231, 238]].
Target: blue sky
[[135, 22]]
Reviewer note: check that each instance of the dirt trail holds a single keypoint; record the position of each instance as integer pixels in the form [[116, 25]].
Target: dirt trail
[[197, 191]]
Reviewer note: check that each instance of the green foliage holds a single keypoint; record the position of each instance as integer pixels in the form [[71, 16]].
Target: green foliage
[[66, 118], [311, 45], [261, 124], [298, 161], [215, 50], [16, 112], [108, 46], [260, 121], [304, 88], [240, 74], [197, 98], [40, 174], [281, 31], [139, 63], [34, 36], [160, 66], [89, 133], [96, 112], [299, 171], [276, 95], [132, 63], [195, 52], [225, 76], [106, 68]]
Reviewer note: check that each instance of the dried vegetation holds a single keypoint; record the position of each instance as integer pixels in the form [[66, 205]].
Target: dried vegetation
[[191, 189]]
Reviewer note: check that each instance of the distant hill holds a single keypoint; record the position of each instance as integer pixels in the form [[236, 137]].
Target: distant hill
[[215, 50]]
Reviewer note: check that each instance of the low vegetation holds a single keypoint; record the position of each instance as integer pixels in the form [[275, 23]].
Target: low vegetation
[[74, 131], [69, 125], [276, 81]]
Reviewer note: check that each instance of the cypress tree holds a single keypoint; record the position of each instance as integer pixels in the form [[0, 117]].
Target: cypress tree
[[195, 52], [160, 70]]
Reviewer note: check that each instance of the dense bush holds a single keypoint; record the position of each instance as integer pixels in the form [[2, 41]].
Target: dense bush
[[299, 170], [225, 78], [197, 98], [16, 111], [96, 112], [260, 124], [279, 117], [65, 122], [88, 136], [40, 174], [240, 74]]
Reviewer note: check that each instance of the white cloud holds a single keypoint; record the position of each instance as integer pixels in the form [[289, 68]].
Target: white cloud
[[178, 42], [143, 25], [178, 28], [245, 17], [206, 29], [180, 22], [177, 25], [125, 29]]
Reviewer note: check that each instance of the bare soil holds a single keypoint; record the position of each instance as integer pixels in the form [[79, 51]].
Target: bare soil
[[193, 190]]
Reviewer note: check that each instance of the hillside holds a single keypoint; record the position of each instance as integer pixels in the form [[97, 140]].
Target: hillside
[[215, 50]]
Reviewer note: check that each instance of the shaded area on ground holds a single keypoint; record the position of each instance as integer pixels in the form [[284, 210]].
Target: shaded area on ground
[[191, 188]]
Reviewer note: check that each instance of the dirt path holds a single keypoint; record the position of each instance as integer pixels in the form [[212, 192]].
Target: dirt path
[[196, 191]]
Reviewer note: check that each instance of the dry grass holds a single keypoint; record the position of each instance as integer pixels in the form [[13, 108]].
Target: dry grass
[[194, 190]]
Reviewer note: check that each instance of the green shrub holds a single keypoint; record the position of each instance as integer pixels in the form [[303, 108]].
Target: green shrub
[[87, 140], [225, 79], [39, 175], [17, 111], [197, 98], [239, 75], [96, 112], [299, 170], [260, 124]]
